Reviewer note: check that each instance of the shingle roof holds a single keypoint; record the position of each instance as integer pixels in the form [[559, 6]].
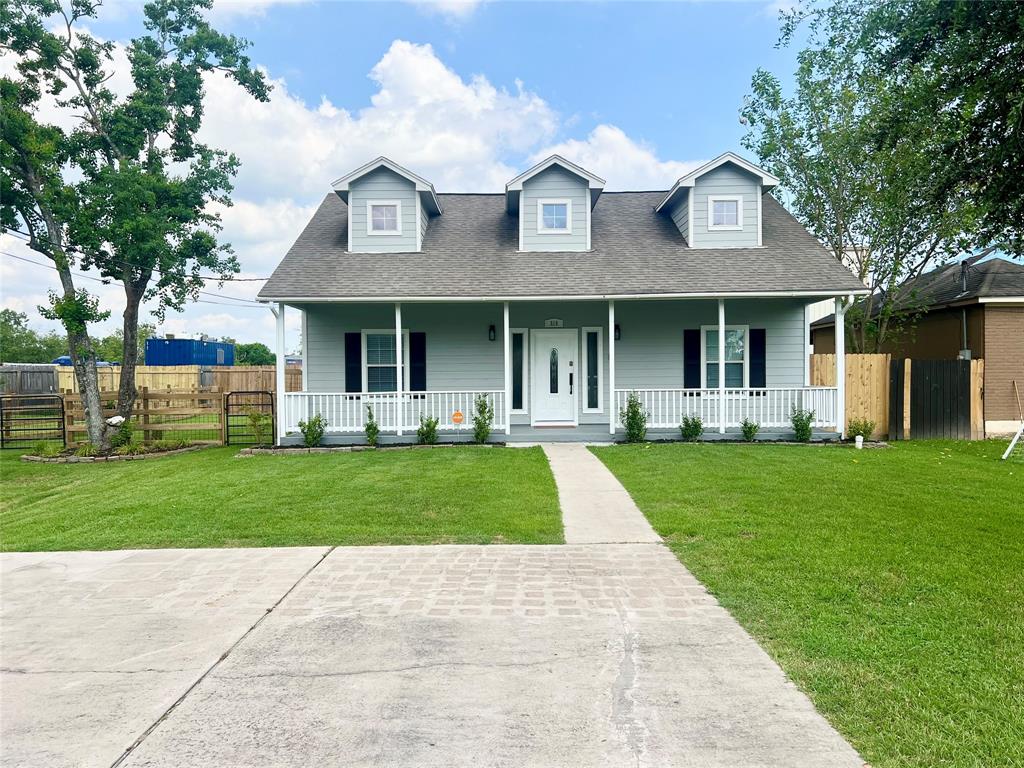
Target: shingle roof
[[995, 278], [472, 250]]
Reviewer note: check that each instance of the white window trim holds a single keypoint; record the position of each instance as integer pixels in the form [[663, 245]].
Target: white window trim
[[586, 367], [525, 383], [738, 199], [704, 348], [405, 354], [541, 202], [385, 232]]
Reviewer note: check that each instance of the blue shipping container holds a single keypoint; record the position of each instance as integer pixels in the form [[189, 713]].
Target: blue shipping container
[[189, 352]]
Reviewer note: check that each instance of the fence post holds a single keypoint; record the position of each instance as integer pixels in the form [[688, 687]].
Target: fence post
[[147, 435], [224, 418], [69, 419], [906, 399]]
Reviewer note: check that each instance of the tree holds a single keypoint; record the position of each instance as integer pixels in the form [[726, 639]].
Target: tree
[[21, 344], [138, 209], [111, 348], [868, 203], [254, 354]]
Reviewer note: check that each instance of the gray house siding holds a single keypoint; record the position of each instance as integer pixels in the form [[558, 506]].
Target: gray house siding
[[680, 214], [382, 184], [725, 180], [557, 183]]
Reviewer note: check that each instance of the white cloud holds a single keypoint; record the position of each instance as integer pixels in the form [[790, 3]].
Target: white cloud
[[228, 10], [453, 10]]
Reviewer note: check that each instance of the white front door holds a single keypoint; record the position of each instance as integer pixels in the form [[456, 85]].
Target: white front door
[[555, 376]]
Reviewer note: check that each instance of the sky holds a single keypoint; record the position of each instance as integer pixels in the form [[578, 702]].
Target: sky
[[466, 94]]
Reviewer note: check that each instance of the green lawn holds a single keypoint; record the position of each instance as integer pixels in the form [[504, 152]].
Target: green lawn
[[888, 583], [210, 498]]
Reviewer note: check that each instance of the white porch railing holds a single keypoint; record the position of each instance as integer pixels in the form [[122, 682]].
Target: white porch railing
[[345, 412], [769, 407]]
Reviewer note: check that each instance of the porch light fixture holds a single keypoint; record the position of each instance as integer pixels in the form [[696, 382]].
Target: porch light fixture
[[618, 332], [492, 334]]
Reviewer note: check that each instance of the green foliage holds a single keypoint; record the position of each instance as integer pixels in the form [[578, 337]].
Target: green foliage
[[74, 311], [371, 428], [171, 444], [259, 425], [86, 449], [634, 419], [749, 429], [21, 344], [801, 420], [254, 354], [427, 431], [691, 428], [313, 430], [47, 449], [483, 418], [124, 434], [860, 427]]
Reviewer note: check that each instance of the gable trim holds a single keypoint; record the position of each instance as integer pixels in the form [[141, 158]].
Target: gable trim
[[690, 179], [342, 185]]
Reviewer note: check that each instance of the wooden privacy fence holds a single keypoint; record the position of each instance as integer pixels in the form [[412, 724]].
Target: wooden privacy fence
[[247, 378], [872, 394], [226, 378], [197, 416]]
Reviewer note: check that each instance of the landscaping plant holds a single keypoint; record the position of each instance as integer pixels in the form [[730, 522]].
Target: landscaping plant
[[634, 419], [46, 449], [312, 431], [124, 434], [258, 422], [372, 428], [801, 420], [483, 418], [427, 432], [86, 450], [861, 428], [749, 429], [692, 427]]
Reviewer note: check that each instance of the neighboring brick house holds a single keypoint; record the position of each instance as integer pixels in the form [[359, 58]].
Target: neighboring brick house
[[969, 308]]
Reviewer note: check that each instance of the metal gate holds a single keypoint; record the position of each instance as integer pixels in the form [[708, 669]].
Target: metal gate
[[940, 399], [28, 419], [250, 417]]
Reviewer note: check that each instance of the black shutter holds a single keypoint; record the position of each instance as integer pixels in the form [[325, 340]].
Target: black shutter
[[353, 362], [758, 348], [417, 362], [691, 358]]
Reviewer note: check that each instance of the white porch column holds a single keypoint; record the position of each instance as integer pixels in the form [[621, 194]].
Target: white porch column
[[721, 366], [399, 368], [840, 334], [612, 400], [507, 338], [279, 371]]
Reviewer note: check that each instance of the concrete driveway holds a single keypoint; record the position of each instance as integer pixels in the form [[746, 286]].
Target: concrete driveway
[[573, 655]]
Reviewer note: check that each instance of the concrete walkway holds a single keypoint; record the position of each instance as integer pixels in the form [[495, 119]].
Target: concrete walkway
[[596, 509]]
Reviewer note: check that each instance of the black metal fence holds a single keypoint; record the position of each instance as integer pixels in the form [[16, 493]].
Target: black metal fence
[[28, 419], [250, 417]]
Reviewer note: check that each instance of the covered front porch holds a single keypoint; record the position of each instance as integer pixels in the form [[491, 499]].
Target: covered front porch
[[555, 369]]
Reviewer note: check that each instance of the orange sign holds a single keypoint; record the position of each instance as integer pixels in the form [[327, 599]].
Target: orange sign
[[457, 417]]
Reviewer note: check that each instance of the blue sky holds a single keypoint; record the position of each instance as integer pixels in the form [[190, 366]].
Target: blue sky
[[467, 94]]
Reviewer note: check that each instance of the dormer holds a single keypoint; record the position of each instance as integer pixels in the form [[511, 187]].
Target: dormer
[[389, 207], [553, 201], [719, 204]]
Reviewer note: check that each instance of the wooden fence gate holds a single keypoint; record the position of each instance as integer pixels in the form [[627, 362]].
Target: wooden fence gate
[[941, 399]]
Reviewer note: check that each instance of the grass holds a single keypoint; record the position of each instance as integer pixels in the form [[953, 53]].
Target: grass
[[889, 584], [211, 498]]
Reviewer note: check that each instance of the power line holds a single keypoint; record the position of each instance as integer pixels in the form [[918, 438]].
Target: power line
[[28, 238], [248, 305]]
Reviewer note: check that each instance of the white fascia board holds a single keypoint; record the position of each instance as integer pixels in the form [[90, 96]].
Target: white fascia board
[[1001, 300], [593, 182], [690, 179], [424, 187]]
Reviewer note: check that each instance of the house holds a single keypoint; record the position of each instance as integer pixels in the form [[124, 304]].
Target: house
[[555, 300], [969, 309]]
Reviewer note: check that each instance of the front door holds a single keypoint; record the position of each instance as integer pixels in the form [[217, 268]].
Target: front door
[[555, 376]]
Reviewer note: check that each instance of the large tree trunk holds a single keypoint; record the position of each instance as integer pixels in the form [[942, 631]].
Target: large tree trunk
[[127, 392], [83, 358]]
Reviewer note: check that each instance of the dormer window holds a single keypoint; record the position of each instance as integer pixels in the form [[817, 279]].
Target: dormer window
[[554, 217], [725, 213], [384, 217]]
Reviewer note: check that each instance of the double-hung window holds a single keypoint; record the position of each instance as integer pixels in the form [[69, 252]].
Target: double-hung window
[[554, 217], [725, 212], [380, 362], [736, 357], [384, 217]]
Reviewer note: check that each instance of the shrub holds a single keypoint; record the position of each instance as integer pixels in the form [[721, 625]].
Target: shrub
[[46, 449], [124, 434], [692, 428], [483, 418], [312, 431], [427, 432], [861, 427], [171, 444], [86, 450], [372, 428], [634, 419], [259, 421], [801, 420], [749, 429]]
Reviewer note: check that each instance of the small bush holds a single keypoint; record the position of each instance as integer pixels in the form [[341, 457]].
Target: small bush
[[124, 434], [259, 423], [483, 418], [46, 449], [132, 449], [861, 427], [171, 444], [372, 428], [801, 420], [313, 431], [86, 449], [634, 419], [427, 432], [749, 429], [691, 428]]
